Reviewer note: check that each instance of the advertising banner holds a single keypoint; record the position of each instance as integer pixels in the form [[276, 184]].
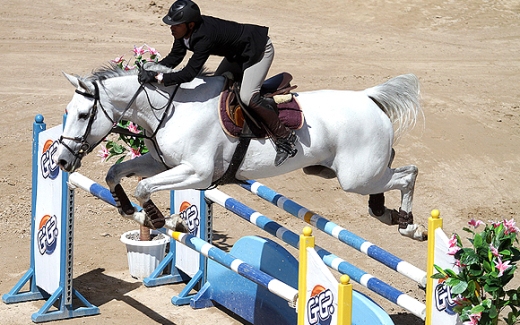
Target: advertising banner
[[47, 236], [443, 303], [322, 292], [187, 203]]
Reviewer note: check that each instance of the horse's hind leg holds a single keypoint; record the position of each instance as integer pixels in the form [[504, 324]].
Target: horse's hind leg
[[403, 178], [378, 210], [376, 204]]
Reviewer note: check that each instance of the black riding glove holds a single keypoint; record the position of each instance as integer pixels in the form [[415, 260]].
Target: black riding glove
[[146, 76]]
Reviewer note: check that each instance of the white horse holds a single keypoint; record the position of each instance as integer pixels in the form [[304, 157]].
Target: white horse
[[346, 134]]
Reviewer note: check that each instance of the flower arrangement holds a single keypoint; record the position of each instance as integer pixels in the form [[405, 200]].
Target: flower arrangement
[[485, 270], [129, 146], [138, 57]]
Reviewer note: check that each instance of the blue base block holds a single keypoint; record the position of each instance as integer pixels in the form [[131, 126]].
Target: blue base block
[[366, 312], [256, 304], [253, 303]]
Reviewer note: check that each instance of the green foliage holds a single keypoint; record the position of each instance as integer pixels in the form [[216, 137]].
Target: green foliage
[[485, 269], [125, 145]]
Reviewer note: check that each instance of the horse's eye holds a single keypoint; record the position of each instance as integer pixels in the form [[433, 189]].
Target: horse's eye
[[83, 116]]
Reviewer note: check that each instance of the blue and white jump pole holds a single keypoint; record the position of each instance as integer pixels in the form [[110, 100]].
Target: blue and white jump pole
[[332, 229], [367, 280]]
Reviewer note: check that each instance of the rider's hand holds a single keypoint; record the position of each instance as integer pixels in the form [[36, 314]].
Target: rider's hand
[[146, 76]]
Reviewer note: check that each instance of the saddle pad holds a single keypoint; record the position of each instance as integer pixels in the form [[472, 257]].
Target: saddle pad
[[290, 115]]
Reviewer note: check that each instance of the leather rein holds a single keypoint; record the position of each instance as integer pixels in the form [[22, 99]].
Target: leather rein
[[86, 147]]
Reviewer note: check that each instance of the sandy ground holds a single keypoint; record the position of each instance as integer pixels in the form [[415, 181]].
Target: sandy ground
[[464, 53]]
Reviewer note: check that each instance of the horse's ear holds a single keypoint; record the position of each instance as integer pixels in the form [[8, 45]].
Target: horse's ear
[[88, 86], [80, 83], [72, 79]]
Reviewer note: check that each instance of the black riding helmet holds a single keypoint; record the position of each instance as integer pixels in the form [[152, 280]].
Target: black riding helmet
[[182, 11]]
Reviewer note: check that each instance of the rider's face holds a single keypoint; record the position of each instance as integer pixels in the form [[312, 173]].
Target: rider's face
[[179, 31]]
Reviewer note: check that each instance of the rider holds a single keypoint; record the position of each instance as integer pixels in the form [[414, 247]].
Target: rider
[[248, 54]]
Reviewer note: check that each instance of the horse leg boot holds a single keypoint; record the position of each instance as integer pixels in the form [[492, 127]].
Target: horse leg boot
[[285, 138], [378, 210]]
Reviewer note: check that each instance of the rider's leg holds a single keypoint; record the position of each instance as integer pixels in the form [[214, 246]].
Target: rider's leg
[[265, 108], [229, 67]]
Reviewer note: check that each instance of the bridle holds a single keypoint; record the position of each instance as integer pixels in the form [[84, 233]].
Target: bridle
[[85, 147]]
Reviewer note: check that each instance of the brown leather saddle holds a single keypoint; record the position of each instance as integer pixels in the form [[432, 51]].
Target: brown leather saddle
[[234, 115], [236, 121]]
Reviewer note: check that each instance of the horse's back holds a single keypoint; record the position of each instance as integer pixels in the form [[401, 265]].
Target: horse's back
[[342, 114]]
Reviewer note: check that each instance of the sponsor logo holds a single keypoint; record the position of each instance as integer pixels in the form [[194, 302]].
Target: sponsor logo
[[444, 301], [320, 307], [190, 214], [49, 168], [47, 236]]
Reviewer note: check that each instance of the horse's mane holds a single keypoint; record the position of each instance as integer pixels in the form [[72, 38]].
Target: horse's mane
[[112, 70], [108, 71]]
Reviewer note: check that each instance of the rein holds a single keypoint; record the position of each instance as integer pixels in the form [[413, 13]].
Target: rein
[[86, 147]]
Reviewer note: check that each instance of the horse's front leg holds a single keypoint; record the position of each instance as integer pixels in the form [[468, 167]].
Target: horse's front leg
[[143, 166], [183, 176]]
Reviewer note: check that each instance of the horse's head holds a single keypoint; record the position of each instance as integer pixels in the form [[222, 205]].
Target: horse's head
[[85, 126]]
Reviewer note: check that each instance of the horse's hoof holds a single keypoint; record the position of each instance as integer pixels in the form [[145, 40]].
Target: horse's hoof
[[389, 217], [153, 215], [176, 223], [414, 231]]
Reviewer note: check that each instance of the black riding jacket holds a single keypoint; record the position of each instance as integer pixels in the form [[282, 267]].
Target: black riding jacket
[[242, 43]]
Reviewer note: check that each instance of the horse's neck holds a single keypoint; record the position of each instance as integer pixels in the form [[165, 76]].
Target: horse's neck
[[127, 104], [148, 107]]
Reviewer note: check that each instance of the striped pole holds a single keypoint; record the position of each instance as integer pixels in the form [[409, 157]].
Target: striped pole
[[272, 284], [236, 265], [332, 229], [365, 279], [88, 185], [381, 288]]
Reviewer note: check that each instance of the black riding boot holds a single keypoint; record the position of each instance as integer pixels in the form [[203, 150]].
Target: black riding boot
[[284, 138]]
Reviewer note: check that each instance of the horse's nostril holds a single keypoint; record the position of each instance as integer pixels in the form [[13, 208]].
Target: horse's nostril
[[62, 163]]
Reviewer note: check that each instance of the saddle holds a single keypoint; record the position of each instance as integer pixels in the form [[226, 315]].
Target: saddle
[[233, 114], [237, 122]]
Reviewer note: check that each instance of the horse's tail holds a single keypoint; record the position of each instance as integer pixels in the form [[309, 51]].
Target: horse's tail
[[399, 99]]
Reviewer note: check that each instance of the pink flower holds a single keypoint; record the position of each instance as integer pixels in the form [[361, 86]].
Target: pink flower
[[510, 226], [453, 250], [475, 223], [494, 251], [118, 60], [134, 128], [152, 51], [501, 266], [452, 245], [134, 153], [103, 153], [496, 224], [139, 51], [452, 241], [473, 319]]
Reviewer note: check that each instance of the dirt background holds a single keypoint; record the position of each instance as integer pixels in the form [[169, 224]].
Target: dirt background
[[465, 54]]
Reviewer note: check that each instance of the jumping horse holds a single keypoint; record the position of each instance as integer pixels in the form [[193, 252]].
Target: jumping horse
[[345, 134]]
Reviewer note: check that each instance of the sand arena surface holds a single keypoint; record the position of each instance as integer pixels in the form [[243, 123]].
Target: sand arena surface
[[464, 53]]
